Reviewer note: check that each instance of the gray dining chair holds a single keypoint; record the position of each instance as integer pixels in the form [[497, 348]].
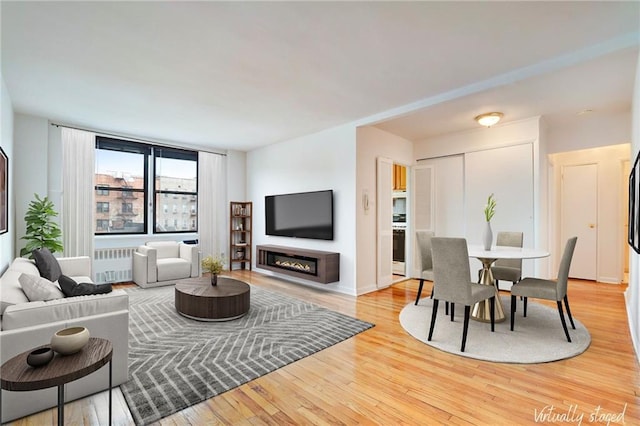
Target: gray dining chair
[[423, 239], [507, 269], [451, 283], [548, 289]]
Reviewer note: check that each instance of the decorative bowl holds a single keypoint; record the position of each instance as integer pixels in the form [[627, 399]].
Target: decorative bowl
[[39, 357], [69, 340]]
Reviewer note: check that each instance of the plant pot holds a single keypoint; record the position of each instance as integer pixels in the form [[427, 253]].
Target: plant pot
[[39, 357], [214, 279], [69, 340]]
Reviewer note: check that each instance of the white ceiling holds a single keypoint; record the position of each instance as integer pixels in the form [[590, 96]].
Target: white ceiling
[[241, 75]]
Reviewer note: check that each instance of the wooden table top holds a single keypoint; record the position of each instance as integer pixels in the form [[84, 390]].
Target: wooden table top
[[202, 287], [17, 375]]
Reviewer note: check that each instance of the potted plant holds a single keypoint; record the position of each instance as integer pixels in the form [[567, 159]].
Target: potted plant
[[213, 265], [489, 211], [42, 231]]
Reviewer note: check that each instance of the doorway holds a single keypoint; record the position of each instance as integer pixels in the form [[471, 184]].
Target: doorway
[[399, 226]]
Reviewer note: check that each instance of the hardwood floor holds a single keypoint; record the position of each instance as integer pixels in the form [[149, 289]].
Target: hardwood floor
[[384, 376]]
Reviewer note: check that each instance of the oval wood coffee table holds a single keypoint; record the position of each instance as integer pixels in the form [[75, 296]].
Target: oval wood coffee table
[[197, 299]]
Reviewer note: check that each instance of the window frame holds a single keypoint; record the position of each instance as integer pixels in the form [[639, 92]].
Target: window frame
[[120, 145], [149, 192], [159, 194]]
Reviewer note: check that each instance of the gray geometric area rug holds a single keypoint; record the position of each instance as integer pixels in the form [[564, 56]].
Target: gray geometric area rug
[[537, 338], [176, 362]]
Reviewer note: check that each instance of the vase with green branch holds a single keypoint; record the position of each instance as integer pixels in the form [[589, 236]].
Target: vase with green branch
[[42, 230], [489, 211]]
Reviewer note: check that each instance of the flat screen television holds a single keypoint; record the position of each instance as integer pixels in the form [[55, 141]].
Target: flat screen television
[[300, 215]]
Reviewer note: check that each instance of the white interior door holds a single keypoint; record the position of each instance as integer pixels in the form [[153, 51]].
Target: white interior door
[[423, 186], [579, 204], [384, 212]]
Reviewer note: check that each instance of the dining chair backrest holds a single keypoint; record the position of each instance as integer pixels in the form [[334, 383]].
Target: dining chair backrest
[[451, 270], [424, 245], [565, 264], [509, 239]]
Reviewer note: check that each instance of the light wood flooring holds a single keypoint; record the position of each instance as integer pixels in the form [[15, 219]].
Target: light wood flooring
[[384, 376]]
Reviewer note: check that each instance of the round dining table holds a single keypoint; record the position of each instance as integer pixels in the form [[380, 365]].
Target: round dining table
[[481, 310]]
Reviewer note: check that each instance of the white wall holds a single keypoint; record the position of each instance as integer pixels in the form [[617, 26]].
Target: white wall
[[590, 131], [324, 160], [6, 142], [479, 139], [371, 144], [632, 294], [31, 165], [610, 230]]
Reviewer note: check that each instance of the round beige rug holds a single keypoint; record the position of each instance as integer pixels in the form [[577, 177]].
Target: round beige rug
[[537, 338]]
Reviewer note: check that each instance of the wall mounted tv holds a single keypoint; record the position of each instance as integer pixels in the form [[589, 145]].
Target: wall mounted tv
[[300, 215]]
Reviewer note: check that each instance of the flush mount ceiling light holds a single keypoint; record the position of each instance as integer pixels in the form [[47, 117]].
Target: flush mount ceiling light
[[489, 119]]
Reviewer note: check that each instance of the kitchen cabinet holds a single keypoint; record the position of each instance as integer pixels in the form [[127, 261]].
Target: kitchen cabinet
[[399, 178]]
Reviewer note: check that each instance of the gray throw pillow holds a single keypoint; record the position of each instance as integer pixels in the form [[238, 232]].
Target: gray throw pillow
[[71, 288], [47, 264], [39, 288]]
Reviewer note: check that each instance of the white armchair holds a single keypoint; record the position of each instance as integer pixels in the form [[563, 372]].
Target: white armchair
[[164, 262]]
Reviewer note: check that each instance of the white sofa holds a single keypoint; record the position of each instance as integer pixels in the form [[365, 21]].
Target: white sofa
[[25, 325], [161, 263]]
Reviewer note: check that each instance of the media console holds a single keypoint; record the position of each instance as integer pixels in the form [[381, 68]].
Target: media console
[[313, 265]]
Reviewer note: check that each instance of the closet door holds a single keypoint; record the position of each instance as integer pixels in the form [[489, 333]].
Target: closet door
[[508, 174], [384, 212], [423, 186]]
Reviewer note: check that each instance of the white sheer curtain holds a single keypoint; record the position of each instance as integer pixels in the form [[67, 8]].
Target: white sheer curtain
[[212, 204], [78, 165]]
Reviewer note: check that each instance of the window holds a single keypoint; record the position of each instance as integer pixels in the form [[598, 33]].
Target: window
[[102, 207], [124, 184], [121, 167], [176, 175]]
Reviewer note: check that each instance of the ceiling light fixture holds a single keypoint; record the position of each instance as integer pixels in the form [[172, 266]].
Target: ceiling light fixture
[[489, 119]]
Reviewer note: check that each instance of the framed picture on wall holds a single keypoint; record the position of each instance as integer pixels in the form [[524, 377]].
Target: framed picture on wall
[[4, 192], [634, 205]]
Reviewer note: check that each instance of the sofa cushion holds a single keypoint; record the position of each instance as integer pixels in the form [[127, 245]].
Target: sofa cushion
[[166, 249], [47, 264], [26, 266], [39, 288], [10, 291], [38, 313], [72, 288], [173, 269]]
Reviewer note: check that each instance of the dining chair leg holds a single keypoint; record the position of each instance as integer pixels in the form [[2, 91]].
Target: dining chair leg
[[492, 314], [434, 312], [467, 311], [513, 310], [446, 308], [419, 290], [566, 305], [564, 323], [525, 306], [453, 307]]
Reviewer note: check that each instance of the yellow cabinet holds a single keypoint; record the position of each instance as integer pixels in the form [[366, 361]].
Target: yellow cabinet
[[399, 178]]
